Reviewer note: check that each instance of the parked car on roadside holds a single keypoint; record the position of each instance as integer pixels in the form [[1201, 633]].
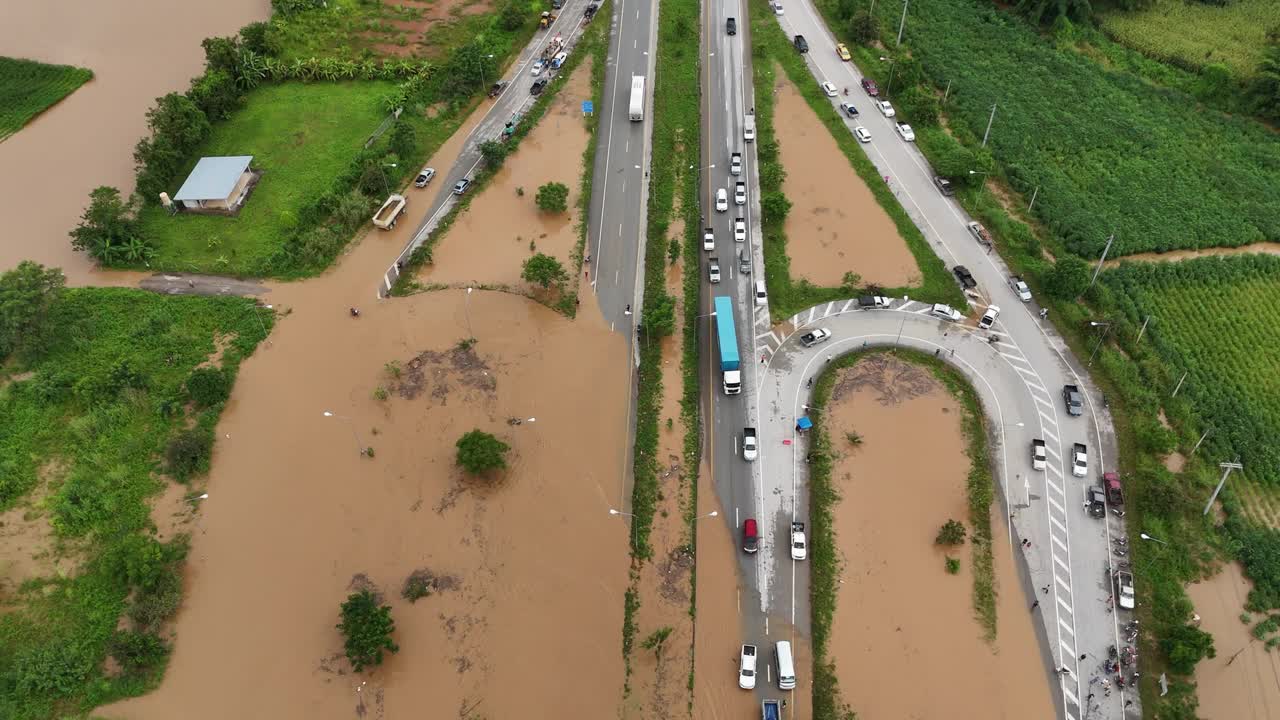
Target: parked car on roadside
[[944, 185], [863, 134], [461, 186], [869, 86], [946, 312], [906, 132], [815, 336], [424, 177], [965, 277], [801, 44], [829, 89], [1020, 288], [988, 318], [843, 52], [885, 108], [849, 109]]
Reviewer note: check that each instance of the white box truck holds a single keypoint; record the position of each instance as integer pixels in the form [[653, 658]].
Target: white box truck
[[637, 97]]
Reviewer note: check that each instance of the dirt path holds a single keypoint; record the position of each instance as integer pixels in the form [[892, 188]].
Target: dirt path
[[901, 619], [1241, 682], [87, 139], [835, 225], [1264, 248]]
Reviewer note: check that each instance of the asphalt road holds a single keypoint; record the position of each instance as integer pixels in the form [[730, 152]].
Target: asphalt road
[[617, 216], [513, 102], [1070, 553]]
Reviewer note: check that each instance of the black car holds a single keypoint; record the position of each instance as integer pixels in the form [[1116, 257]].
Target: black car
[[965, 277], [944, 185], [1095, 502], [731, 26], [557, 4], [801, 44], [538, 86]]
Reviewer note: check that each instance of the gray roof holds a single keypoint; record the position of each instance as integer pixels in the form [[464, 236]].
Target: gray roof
[[214, 178]]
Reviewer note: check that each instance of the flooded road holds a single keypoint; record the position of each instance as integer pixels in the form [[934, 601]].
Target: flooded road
[[502, 228], [835, 225], [905, 641], [1243, 681], [138, 50]]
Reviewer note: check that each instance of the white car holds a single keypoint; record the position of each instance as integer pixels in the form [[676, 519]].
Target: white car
[[863, 134], [747, 667], [1079, 460], [739, 230], [946, 312], [537, 68], [713, 270], [799, 548], [740, 193], [424, 177], [1020, 288], [708, 240], [1039, 455], [885, 108], [749, 449], [815, 336], [722, 200], [829, 89], [735, 164], [777, 8], [988, 318], [906, 132]]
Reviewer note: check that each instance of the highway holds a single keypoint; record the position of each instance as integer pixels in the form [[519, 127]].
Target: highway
[[1071, 553]]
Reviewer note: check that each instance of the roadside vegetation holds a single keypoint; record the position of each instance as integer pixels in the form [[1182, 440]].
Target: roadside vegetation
[[771, 49], [323, 129], [1078, 133], [28, 88], [106, 393]]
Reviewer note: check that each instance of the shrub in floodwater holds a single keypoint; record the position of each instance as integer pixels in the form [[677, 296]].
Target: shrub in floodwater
[[951, 533], [367, 627], [208, 386], [479, 452], [953, 565]]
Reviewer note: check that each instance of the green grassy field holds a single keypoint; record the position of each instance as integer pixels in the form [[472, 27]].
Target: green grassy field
[[1194, 34], [300, 136], [29, 88], [80, 441]]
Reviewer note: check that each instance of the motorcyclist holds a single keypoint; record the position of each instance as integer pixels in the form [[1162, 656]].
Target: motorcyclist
[[846, 92], [355, 312]]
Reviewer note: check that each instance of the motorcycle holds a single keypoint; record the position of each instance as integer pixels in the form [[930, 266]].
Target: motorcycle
[[1133, 679], [1121, 540], [1118, 512], [1120, 552], [355, 312]]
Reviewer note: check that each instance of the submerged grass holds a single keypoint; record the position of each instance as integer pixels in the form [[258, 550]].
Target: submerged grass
[[28, 88]]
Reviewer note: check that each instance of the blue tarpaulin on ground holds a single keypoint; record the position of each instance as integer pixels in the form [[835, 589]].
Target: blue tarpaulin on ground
[[804, 423], [587, 107]]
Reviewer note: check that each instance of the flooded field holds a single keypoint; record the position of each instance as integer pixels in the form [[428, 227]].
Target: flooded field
[[902, 622], [835, 225], [1243, 681], [1262, 248], [138, 51], [502, 228]]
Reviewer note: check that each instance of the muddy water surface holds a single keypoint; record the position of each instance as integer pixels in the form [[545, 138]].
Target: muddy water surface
[[1262, 248], [835, 225], [501, 228], [1243, 681], [900, 616], [138, 51]]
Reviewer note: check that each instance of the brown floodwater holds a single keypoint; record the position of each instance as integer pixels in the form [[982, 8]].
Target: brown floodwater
[[138, 51], [1243, 681], [1261, 248], [835, 224], [902, 623], [501, 229]]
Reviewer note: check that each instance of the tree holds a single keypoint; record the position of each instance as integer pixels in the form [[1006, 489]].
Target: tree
[[774, 207], [208, 386], [27, 293], [1068, 279], [951, 533], [367, 628], [544, 270], [553, 197], [1264, 89], [1186, 645], [188, 453], [137, 651], [1046, 11], [479, 452], [404, 140], [513, 15], [107, 226], [659, 317], [261, 38], [920, 105], [862, 27], [215, 93], [494, 152], [221, 53]]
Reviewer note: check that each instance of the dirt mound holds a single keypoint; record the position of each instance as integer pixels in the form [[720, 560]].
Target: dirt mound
[[893, 380], [437, 372]]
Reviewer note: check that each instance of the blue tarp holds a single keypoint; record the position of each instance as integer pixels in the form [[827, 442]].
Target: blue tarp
[[804, 423]]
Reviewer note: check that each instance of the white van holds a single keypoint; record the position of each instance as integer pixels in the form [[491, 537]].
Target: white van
[[762, 297], [786, 666]]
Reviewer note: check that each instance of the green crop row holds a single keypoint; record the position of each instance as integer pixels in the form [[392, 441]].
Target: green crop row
[[29, 88], [1193, 35]]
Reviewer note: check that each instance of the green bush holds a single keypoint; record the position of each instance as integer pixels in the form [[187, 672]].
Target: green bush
[[952, 533], [1185, 646], [543, 270], [367, 627], [553, 197], [479, 452], [138, 651], [27, 293], [153, 606], [208, 386], [1068, 278], [56, 669], [188, 453]]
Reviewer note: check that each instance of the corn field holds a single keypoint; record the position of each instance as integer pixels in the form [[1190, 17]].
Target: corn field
[[29, 88], [1192, 35]]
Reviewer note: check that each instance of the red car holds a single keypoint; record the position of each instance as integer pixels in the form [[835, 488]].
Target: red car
[[870, 86], [750, 538]]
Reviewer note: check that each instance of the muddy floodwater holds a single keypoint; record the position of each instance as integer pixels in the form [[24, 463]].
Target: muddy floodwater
[[502, 227], [1243, 681], [1261, 248], [835, 224], [904, 640], [138, 50]]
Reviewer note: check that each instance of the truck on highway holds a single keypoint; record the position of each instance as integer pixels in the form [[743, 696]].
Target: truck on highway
[[771, 710], [728, 340], [1073, 399], [637, 97], [390, 211]]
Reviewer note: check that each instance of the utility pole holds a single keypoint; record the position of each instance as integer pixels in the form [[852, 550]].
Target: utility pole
[[892, 66], [903, 22], [1101, 260], [946, 93], [1033, 198], [1202, 437], [1227, 468], [1179, 386], [1144, 329], [989, 121]]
